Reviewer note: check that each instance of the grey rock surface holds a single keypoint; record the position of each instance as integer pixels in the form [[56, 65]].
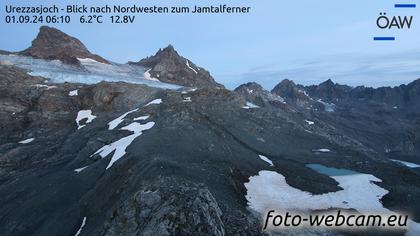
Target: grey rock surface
[[168, 66], [52, 44]]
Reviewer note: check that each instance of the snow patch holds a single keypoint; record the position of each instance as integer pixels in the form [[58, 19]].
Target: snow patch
[[309, 122], [81, 227], [269, 190], [264, 158], [45, 86], [114, 123], [187, 99], [148, 76], [84, 114], [250, 105], [408, 164], [141, 118], [328, 107], [80, 169], [74, 93], [88, 61], [322, 150], [261, 140], [154, 102], [189, 90], [188, 65], [26, 141], [121, 145]]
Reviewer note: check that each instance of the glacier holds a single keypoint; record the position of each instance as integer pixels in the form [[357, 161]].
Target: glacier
[[91, 72]]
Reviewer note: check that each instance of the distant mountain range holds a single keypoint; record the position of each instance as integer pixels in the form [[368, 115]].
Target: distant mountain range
[[121, 158]]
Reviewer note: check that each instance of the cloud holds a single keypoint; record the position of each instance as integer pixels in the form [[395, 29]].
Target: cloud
[[373, 70]]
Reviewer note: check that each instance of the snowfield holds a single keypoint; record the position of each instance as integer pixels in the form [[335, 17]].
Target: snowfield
[[187, 63], [26, 141], [264, 158], [322, 150], [154, 102], [114, 123], [148, 76], [92, 72], [408, 164], [309, 122], [250, 105], [74, 93], [141, 118], [187, 99], [81, 227], [78, 170], [121, 145], [84, 114], [269, 190]]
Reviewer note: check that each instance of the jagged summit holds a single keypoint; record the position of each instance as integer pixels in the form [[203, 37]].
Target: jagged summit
[[53, 44], [327, 82], [290, 91], [167, 53], [250, 87], [255, 93], [168, 66], [329, 91]]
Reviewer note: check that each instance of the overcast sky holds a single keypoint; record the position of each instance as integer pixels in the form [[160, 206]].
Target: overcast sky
[[307, 41]]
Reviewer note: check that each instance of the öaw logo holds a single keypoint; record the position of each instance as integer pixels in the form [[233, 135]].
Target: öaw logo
[[387, 22]]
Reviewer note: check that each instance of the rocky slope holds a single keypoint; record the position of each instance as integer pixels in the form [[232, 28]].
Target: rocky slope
[[191, 166], [131, 159], [168, 66], [52, 44], [255, 93], [4, 52], [361, 112]]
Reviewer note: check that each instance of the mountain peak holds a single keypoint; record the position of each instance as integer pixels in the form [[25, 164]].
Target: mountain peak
[[53, 44], [169, 48], [168, 66], [250, 85], [287, 82], [328, 83]]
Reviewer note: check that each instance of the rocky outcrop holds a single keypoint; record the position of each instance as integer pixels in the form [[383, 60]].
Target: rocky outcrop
[[329, 91], [185, 174], [179, 159], [2, 52], [168, 66], [170, 206], [292, 93], [52, 44], [255, 93]]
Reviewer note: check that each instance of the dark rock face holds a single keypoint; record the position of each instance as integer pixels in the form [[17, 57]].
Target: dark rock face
[[253, 92], [329, 91], [168, 206], [186, 174], [362, 113], [168, 66], [292, 93], [52, 44]]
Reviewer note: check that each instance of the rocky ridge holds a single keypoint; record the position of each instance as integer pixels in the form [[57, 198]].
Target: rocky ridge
[[52, 44], [168, 66], [187, 171]]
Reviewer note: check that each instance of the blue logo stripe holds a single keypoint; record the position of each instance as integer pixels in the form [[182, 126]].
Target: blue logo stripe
[[405, 5], [384, 38]]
